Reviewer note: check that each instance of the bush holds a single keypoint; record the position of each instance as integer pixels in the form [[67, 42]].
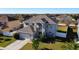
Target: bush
[[45, 39], [35, 44], [1, 34], [1, 40], [42, 37], [7, 39], [16, 35]]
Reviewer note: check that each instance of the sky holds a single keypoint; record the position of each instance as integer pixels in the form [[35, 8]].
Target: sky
[[39, 10]]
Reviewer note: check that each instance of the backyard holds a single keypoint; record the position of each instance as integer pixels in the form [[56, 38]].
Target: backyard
[[4, 41]]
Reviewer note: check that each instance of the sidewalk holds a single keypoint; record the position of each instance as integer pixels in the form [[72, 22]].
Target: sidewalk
[[18, 44]]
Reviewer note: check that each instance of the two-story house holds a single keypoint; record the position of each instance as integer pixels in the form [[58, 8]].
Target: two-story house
[[38, 25]]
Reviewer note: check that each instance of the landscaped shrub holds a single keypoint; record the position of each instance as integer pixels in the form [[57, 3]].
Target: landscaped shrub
[[35, 43], [42, 37], [50, 40], [7, 39], [1, 40], [16, 35]]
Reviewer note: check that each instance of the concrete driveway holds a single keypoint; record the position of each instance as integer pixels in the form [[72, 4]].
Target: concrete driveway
[[18, 44]]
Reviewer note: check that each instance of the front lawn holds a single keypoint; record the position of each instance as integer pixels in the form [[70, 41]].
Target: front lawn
[[46, 46], [4, 41]]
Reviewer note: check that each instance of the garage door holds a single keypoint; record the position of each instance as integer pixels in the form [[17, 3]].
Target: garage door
[[25, 36]]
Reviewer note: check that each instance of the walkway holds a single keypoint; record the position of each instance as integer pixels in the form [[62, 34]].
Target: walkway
[[18, 44]]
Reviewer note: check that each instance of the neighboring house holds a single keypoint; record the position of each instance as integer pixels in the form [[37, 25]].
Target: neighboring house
[[3, 21], [62, 29], [12, 27], [64, 19], [64, 22], [41, 25]]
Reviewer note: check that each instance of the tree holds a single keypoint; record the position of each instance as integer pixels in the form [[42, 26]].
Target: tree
[[35, 44], [69, 35]]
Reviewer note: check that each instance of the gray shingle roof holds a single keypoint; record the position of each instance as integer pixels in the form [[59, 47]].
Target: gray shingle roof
[[38, 19], [27, 30], [65, 19]]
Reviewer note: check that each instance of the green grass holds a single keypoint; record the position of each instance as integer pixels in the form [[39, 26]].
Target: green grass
[[55, 46], [4, 43], [28, 46]]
